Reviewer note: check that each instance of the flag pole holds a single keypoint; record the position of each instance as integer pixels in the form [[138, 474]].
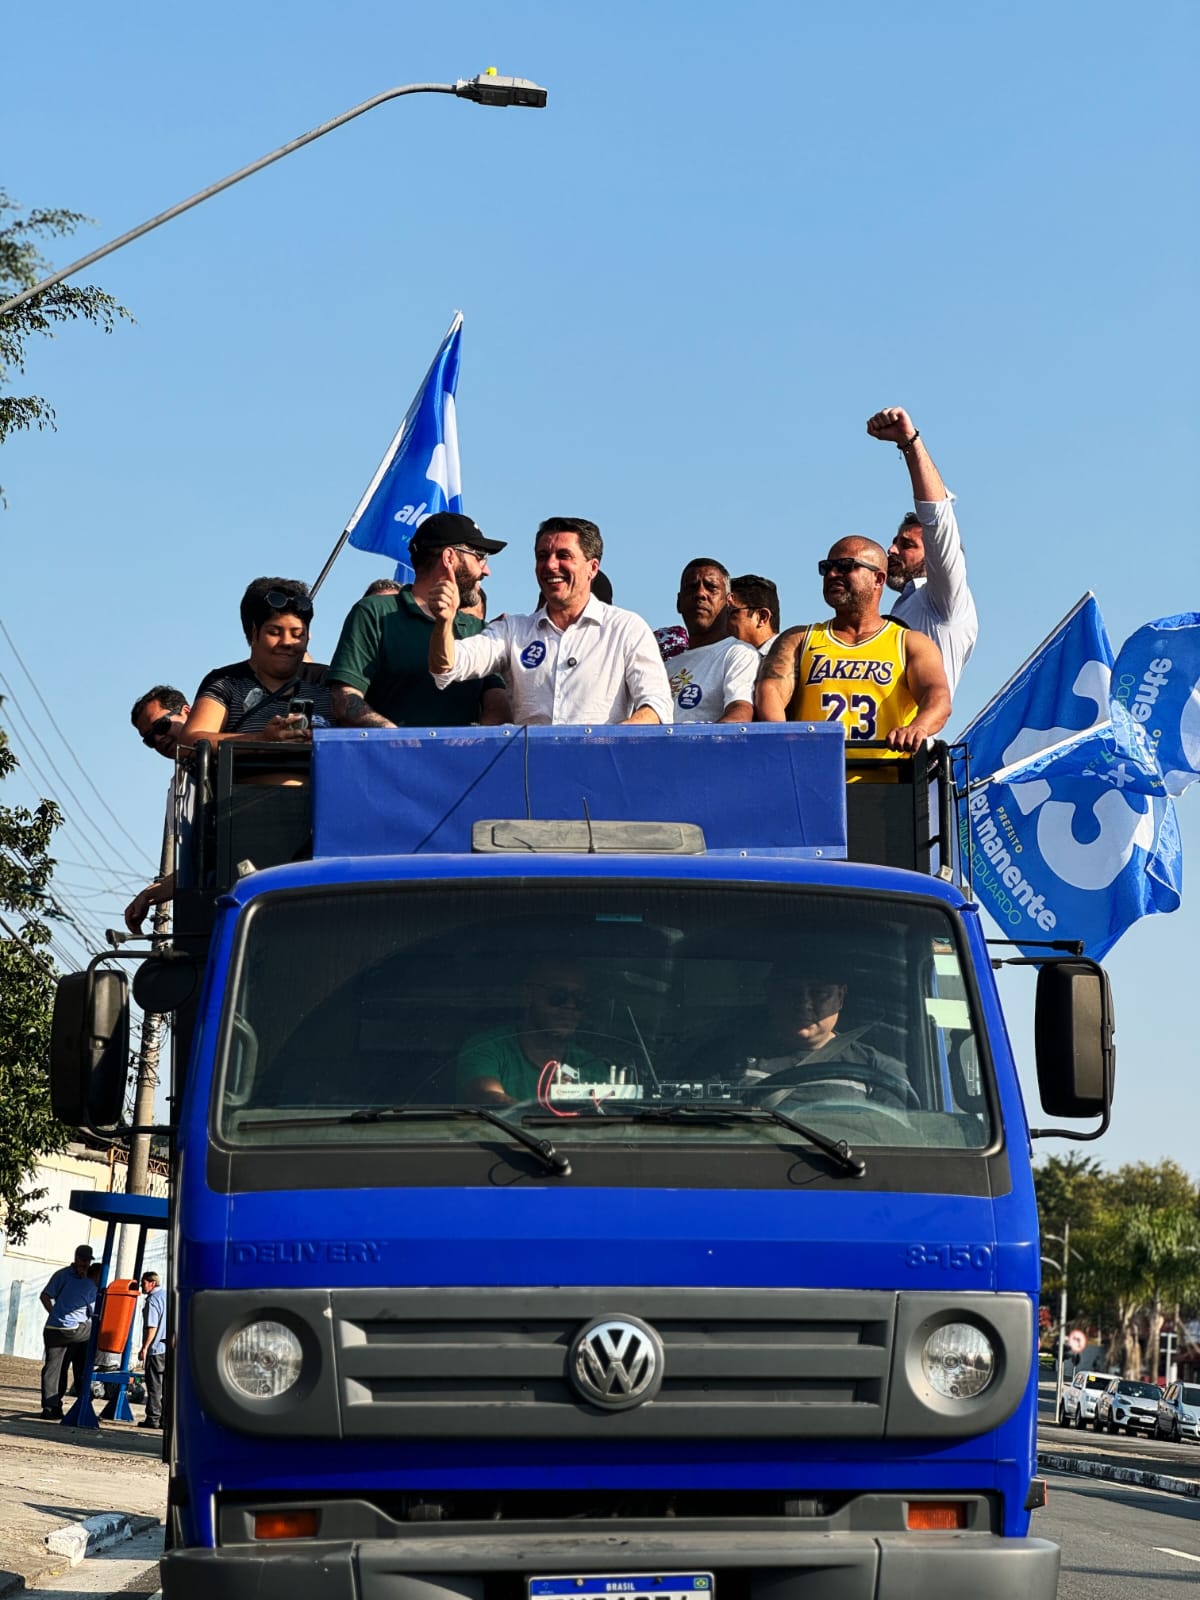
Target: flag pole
[[358, 510], [380, 470], [1028, 661]]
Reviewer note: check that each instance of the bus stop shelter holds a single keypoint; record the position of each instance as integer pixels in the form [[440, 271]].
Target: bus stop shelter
[[140, 1211]]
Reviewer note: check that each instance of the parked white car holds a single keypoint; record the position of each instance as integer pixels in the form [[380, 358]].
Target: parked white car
[[1079, 1398], [1179, 1413], [1129, 1404]]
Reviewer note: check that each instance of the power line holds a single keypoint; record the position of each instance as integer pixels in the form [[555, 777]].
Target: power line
[[86, 775], [70, 826], [97, 829]]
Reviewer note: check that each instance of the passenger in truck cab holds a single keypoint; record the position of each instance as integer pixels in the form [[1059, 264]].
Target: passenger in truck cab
[[883, 681], [713, 679], [574, 659], [252, 699], [506, 1064]]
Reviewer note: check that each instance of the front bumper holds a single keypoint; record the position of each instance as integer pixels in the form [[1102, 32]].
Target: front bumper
[[480, 1562]]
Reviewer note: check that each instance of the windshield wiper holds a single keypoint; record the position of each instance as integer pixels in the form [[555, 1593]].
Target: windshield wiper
[[550, 1158], [713, 1113]]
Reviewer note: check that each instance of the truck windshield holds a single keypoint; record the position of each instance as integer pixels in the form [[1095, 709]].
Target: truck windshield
[[596, 1009]]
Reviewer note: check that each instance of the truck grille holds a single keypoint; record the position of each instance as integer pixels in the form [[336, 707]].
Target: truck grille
[[495, 1363]]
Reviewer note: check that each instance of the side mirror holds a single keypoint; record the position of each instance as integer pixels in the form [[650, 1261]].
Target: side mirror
[[1073, 1036], [89, 1048], [164, 982]]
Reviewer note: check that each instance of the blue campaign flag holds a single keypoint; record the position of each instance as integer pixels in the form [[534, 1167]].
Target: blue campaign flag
[[420, 473], [1156, 684], [1059, 851], [1150, 743]]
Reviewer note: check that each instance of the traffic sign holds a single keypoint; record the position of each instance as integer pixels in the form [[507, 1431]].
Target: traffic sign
[[1076, 1342]]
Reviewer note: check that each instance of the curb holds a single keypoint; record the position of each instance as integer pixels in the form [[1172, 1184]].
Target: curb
[[1133, 1476], [80, 1539]]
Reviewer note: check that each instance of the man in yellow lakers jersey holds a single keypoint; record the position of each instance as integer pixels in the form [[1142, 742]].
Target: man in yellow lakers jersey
[[881, 680]]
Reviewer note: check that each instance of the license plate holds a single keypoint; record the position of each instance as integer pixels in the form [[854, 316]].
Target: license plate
[[624, 1586]]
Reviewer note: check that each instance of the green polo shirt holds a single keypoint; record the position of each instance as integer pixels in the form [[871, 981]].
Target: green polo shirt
[[384, 654]]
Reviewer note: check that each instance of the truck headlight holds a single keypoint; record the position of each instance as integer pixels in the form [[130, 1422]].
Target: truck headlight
[[263, 1360], [958, 1361]]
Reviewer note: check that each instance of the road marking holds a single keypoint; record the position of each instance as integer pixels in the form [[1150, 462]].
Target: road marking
[[1184, 1555]]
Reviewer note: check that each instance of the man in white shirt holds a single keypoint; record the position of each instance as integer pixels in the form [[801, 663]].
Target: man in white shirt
[[713, 679], [926, 565], [575, 659]]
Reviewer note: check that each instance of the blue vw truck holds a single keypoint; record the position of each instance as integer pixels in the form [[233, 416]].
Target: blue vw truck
[[592, 1181]]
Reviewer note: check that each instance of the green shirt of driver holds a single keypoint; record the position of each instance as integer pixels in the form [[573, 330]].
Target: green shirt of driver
[[497, 1053]]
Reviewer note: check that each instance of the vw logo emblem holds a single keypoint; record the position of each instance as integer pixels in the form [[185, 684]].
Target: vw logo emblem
[[616, 1363]]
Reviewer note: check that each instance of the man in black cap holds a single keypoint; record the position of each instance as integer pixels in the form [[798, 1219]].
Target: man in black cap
[[380, 670]]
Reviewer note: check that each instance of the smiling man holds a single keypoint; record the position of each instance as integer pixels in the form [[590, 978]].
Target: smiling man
[[249, 700], [575, 660]]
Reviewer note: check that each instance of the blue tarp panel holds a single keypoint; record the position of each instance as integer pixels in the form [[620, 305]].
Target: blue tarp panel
[[767, 789]]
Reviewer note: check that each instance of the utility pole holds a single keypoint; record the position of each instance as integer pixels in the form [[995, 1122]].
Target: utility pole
[[137, 1173], [1063, 1238]]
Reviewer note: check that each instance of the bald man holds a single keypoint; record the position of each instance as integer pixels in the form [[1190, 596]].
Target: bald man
[[884, 682]]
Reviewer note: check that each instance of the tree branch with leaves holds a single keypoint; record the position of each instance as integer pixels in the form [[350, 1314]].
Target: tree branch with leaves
[[28, 1127], [21, 266]]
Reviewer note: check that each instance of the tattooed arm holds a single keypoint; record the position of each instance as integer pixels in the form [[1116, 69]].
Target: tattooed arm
[[350, 710], [779, 677]]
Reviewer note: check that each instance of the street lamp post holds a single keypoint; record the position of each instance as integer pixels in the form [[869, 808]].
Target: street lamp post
[[487, 89]]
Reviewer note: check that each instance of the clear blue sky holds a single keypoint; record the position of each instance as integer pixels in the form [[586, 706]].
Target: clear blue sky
[[733, 235]]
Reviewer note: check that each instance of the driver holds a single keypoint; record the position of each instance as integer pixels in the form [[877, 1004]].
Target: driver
[[809, 1057], [503, 1065]]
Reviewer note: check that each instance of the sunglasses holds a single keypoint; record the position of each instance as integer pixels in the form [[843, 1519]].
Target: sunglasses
[[564, 997], [844, 566], [156, 730], [296, 605]]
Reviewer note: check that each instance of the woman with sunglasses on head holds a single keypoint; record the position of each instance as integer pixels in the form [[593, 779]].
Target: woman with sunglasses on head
[[884, 682], [251, 699]]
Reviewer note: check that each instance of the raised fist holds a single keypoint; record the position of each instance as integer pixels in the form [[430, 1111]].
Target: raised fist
[[893, 424]]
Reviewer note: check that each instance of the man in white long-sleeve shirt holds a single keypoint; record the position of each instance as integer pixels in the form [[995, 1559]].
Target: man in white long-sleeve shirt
[[575, 659], [926, 565]]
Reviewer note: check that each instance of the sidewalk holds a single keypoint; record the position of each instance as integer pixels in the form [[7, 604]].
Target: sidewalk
[[1174, 1469], [52, 1476]]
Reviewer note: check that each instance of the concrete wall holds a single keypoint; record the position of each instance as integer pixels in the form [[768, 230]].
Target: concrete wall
[[25, 1269]]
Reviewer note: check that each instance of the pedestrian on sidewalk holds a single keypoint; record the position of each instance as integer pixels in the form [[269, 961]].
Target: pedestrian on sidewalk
[[153, 1353], [69, 1299]]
